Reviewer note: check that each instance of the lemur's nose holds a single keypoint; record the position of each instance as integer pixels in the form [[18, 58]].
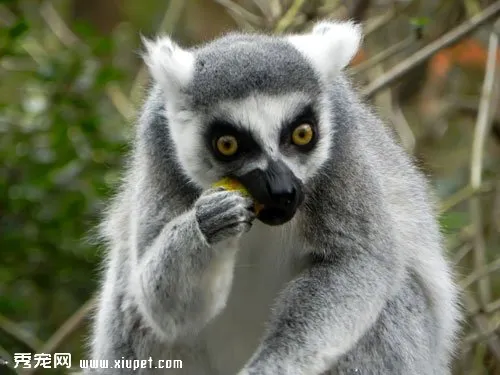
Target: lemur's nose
[[275, 187], [282, 192]]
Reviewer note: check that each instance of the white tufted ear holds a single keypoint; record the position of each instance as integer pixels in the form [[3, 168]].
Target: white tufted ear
[[329, 46], [170, 65]]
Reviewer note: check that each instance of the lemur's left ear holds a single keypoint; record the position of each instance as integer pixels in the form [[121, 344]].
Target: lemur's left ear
[[330, 46], [169, 64]]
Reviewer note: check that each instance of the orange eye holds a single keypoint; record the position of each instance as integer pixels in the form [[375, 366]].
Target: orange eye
[[227, 145], [302, 134]]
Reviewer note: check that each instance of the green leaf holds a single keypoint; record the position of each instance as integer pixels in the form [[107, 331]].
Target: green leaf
[[18, 29], [452, 221], [420, 21]]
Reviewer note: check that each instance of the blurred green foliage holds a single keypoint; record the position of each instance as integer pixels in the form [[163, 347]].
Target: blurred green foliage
[[61, 141]]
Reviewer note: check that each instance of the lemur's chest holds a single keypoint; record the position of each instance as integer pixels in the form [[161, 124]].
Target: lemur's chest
[[262, 269]]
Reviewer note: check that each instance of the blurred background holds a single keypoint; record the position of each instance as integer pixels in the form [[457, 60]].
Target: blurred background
[[71, 81]]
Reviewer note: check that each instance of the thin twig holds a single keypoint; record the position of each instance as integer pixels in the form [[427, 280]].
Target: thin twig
[[461, 253], [241, 22], [464, 194], [267, 8], [482, 324], [464, 235], [69, 40], [426, 52], [167, 26], [478, 274], [329, 9], [480, 336], [287, 19], [68, 327], [402, 126], [484, 118], [19, 334], [490, 308], [241, 12], [383, 55], [380, 21], [496, 208], [7, 360], [483, 125], [57, 25], [120, 101]]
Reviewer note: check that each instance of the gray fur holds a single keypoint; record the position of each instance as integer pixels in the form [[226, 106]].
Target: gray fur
[[355, 283], [249, 63]]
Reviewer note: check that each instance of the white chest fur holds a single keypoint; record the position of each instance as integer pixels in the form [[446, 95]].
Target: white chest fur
[[262, 268]]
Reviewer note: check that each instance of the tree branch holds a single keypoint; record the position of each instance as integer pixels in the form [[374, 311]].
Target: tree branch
[[287, 19], [19, 334], [167, 25], [426, 52], [67, 328], [383, 55], [483, 125], [480, 273], [482, 324]]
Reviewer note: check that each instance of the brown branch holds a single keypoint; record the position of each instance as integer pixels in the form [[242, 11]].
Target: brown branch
[[68, 327], [490, 308], [461, 253], [287, 19], [463, 194], [484, 118], [19, 334], [383, 55], [268, 9], [464, 235], [167, 25], [57, 25], [481, 335], [407, 65], [483, 125], [402, 126], [64, 34], [482, 324], [478, 274], [6, 359], [239, 12], [372, 25]]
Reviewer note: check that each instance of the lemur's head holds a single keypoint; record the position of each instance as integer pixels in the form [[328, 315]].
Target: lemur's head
[[254, 108]]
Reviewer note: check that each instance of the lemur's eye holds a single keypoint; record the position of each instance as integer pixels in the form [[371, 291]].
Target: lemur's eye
[[302, 134], [227, 145]]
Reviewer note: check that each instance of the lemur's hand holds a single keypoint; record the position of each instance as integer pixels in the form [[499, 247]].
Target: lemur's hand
[[222, 214]]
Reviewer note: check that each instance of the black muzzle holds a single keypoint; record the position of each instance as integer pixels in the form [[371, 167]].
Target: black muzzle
[[277, 189]]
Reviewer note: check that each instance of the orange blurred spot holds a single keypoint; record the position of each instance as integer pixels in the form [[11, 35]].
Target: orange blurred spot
[[469, 53], [359, 57], [440, 64]]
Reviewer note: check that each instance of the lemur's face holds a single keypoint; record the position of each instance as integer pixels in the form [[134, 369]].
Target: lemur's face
[[272, 144], [254, 108]]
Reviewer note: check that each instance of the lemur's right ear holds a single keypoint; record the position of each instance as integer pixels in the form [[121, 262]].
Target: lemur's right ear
[[329, 46], [169, 64]]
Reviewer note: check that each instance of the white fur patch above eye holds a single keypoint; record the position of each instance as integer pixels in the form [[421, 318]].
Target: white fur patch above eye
[[169, 64], [329, 46]]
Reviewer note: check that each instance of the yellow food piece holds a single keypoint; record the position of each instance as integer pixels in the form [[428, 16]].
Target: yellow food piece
[[231, 184]]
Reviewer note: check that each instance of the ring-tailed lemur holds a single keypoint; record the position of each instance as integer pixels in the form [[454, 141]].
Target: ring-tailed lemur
[[342, 272]]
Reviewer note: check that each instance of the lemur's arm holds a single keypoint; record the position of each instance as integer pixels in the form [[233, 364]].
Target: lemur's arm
[[183, 278], [321, 314]]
